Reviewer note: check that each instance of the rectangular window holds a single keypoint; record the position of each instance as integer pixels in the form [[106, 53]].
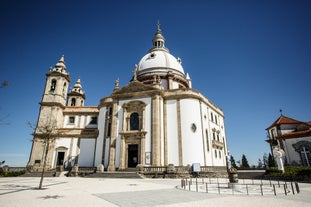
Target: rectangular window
[[71, 120], [109, 130], [93, 120], [37, 161]]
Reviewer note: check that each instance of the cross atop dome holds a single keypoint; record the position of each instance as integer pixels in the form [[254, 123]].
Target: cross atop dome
[[158, 24]]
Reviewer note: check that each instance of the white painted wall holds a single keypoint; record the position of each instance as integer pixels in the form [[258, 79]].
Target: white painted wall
[[87, 148], [191, 141], [100, 139], [172, 133]]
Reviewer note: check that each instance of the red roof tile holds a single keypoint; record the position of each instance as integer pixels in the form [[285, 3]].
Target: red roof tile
[[284, 120]]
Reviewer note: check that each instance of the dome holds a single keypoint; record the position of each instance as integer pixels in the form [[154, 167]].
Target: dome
[[159, 62]]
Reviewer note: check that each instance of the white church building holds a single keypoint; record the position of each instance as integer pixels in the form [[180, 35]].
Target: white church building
[[156, 119], [293, 138]]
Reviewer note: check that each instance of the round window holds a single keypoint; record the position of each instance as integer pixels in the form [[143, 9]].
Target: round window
[[193, 127]]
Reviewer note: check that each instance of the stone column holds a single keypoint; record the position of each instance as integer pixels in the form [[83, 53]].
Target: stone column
[[156, 151], [142, 149], [122, 153], [180, 154], [114, 134], [165, 133], [202, 131]]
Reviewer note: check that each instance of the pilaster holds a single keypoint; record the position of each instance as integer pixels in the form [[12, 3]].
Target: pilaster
[[180, 154], [156, 150], [165, 134], [114, 134]]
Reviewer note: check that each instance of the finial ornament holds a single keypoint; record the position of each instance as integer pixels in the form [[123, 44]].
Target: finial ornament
[[135, 72], [281, 111], [116, 84], [158, 25]]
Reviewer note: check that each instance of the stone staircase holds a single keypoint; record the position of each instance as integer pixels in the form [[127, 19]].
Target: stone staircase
[[116, 174]]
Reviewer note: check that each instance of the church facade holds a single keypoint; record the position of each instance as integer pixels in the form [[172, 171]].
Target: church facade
[[156, 119]]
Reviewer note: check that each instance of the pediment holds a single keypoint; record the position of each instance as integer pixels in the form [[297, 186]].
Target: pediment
[[134, 86]]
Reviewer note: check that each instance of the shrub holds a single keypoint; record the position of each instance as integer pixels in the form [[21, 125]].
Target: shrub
[[12, 173]]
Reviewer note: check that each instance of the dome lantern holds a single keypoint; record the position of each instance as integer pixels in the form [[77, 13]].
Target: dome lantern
[[158, 41]]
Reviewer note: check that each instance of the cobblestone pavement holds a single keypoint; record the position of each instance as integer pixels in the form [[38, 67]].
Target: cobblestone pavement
[[63, 191]]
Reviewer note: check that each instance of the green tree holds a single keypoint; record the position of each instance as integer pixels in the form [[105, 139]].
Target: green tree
[[232, 160], [244, 162], [47, 135], [265, 160], [271, 161], [260, 164]]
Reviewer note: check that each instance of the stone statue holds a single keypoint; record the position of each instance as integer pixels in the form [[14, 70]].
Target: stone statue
[[135, 72], [278, 156]]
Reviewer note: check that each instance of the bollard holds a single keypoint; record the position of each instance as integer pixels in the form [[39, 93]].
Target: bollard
[[285, 189], [279, 183], [270, 181], [261, 190], [206, 187], [291, 183], [246, 189], [274, 190], [297, 187], [196, 184], [218, 188]]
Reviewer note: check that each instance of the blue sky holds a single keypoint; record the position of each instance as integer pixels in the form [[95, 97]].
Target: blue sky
[[250, 58]]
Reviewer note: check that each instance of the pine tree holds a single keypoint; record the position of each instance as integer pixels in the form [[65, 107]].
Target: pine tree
[[265, 160], [260, 164], [232, 160], [244, 162], [271, 162]]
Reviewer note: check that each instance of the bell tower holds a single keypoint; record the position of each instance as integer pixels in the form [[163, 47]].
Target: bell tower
[[50, 116], [54, 95], [76, 96]]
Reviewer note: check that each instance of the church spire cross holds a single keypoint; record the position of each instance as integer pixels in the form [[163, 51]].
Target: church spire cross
[[158, 25]]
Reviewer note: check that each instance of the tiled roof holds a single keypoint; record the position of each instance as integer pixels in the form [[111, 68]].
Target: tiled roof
[[284, 120], [295, 134]]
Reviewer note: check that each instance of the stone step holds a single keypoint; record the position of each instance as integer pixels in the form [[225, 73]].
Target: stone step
[[38, 174], [115, 175]]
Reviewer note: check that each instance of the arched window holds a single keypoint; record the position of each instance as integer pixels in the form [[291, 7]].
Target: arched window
[[64, 87], [73, 102], [134, 121], [53, 85]]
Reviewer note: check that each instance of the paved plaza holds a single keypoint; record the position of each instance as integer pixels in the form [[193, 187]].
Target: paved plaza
[[77, 191]]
